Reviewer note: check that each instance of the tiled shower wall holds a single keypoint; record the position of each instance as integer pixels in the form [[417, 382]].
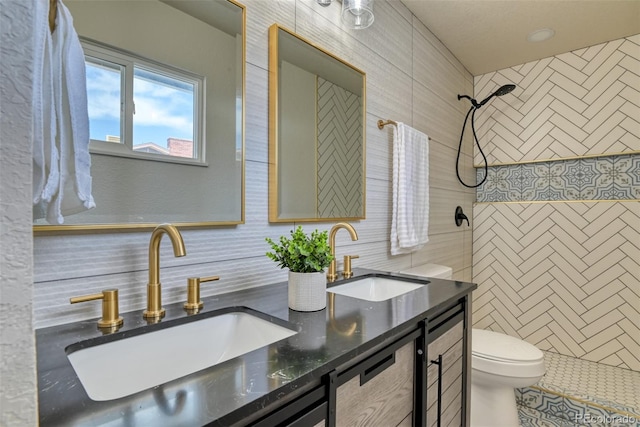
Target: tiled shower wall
[[580, 103], [411, 77], [562, 276], [564, 272]]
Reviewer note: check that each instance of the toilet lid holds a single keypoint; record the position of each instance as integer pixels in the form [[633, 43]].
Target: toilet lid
[[503, 348]]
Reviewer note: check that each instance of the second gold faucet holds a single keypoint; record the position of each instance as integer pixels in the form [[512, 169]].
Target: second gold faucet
[[154, 298], [332, 275]]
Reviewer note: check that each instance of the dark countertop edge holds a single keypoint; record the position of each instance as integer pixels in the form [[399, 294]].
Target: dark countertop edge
[[314, 379], [274, 399]]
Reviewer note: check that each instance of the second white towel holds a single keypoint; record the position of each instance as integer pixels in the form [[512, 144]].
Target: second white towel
[[410, 217]]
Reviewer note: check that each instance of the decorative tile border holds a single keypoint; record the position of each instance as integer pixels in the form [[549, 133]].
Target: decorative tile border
[[592, 178]]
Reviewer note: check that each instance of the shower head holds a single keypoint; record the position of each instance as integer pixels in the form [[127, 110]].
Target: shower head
[[502, 90]]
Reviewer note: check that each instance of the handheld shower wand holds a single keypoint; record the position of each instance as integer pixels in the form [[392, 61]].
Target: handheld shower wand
[[475, 105]]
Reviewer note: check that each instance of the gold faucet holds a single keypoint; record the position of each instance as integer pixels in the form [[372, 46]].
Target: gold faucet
[[332, 275], [154, 299]]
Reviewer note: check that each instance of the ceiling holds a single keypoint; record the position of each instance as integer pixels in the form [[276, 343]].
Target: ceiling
[[489, 35]]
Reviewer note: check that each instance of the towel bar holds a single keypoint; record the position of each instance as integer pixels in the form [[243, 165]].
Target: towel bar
[[383, 123]]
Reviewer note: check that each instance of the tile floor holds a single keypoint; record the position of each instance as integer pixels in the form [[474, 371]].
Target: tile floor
[[576, 392]]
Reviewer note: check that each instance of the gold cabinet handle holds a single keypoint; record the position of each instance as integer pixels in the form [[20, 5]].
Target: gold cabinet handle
[[110, 312], [347, 265], [194, 303]]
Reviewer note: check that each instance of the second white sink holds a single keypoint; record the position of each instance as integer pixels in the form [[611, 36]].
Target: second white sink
[[375, 288], [126, 366]]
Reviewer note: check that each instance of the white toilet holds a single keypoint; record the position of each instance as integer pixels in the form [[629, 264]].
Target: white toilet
[[499, 364]]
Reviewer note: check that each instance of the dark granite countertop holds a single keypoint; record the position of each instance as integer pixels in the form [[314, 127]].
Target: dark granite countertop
[[245, 387]]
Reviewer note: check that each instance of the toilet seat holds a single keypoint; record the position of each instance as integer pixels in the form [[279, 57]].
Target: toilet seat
[[500, 354]]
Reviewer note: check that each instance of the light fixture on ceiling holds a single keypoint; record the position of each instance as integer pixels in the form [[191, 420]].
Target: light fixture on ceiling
[[356, 14], [540, 35]]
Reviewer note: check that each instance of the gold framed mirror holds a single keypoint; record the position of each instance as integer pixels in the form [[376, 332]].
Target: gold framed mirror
[[139, 180], [317, 122]]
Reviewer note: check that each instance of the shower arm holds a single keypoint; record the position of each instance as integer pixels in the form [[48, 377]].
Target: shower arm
[[502, 90], [473, 101]]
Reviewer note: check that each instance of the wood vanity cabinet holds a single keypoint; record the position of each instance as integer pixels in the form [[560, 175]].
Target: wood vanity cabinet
[[420, 379], [378, 391], [446, 376]]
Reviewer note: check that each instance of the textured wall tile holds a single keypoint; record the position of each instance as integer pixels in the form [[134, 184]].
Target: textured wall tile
[[19, 24]]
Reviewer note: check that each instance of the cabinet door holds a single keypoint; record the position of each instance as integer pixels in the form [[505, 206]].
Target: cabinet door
[[382, 395], [444, 378]]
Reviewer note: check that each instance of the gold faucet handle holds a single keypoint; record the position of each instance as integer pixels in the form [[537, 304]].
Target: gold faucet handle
[[347, 265], [110, 312], [193, 292]]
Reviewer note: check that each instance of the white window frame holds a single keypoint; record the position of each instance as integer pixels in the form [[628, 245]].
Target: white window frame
[[128, 61]]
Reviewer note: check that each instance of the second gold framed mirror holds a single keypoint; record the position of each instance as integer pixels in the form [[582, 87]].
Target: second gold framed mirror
[[317, 122]]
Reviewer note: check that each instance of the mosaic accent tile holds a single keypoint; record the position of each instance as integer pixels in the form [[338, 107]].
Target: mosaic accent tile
[[634, 175], [594, 178], [530, 417], [580, 392], [496, 187], [610, 386], [578, 411], [549, 403], [579, 178]]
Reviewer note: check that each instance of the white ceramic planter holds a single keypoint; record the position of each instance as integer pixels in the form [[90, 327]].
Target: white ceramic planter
[[307, 291]]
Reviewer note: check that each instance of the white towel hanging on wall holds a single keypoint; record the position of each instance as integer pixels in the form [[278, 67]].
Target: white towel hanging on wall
[[410, 216], [62, 179]]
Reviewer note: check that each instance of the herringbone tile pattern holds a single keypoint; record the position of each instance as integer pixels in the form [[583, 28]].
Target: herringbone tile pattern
[[563, 276], [585, 102], [340, 169]]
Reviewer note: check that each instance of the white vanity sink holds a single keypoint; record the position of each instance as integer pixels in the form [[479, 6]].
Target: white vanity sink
[[122, 367], [375, 288]]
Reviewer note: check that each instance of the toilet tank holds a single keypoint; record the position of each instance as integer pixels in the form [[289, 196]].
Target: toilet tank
[[430, 270]]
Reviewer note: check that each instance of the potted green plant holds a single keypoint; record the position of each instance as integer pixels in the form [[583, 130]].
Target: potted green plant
[[306, 257]]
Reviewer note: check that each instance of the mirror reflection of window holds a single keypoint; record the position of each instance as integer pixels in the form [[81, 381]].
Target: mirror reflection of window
[[104, 97], [151, 58], [152, 124], [141, 109]]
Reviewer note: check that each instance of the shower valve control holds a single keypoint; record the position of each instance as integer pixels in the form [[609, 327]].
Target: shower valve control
[[460, 216]]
